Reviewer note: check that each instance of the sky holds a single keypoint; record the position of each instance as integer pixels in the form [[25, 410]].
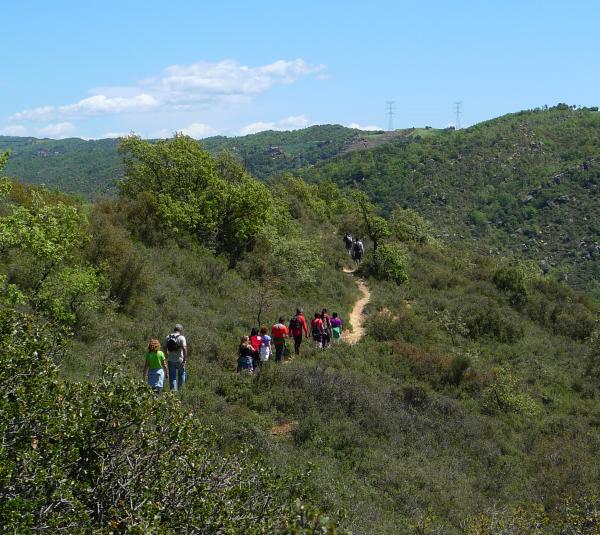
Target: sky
[[109, 68]]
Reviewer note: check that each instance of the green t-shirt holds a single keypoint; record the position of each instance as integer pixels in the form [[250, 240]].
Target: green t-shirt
[[155, 359]]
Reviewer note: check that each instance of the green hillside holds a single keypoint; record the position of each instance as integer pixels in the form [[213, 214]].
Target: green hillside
[[69, 165], [525, 184], [92, 167], [267, 153], [470, 406]]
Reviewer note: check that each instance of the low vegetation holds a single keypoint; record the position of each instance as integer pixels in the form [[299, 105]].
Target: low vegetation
[[470, 406], [523, 184]]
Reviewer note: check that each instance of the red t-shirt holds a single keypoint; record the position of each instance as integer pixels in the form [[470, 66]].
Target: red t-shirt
[[255, 342], [279, 332], [319, 323], [303, 327]]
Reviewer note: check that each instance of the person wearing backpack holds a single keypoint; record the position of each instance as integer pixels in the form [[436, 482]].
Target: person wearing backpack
[[245, 356], [177, 355], [348, 241], [155, 367], [316, 329], [358, 250], [336, 327], [297, 327], [279, 333], [326, 327]]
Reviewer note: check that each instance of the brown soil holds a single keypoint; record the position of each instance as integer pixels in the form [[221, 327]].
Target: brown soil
[[369, 141], [284, 428]]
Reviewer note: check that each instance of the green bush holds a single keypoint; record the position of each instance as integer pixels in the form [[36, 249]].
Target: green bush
[[458, 366], [512, 279], [484, 318], [388, 262], [111, 456]]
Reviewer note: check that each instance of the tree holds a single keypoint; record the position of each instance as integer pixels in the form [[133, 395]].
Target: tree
[[375, 226], [46, 238], [215, 200], [408, 226], [388, 262]]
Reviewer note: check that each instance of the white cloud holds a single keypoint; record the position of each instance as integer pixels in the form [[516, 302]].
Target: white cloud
[[57, 130], [13, 130], [203, 80], [42, 112], [294, 122], [181, 87], [103, 104], [366, 128], [198, 130]]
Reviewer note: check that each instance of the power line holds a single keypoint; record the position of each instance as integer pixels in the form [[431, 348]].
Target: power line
[[458, 113], [389, 106]]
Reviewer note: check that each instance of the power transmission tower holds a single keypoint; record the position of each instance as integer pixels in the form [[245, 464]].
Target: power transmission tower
[[389, 106], [458, 113]]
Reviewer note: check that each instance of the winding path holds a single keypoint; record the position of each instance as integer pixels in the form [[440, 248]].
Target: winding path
[[357, 315]]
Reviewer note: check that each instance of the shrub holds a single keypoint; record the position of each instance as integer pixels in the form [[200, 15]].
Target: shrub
[[593, 365], [505, 394], [484, 319], [458, 366], [512, 279], [112, 456], [408, 226], [415, 395], [388, 262]]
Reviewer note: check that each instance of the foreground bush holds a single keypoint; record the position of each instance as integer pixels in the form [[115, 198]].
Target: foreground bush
[[113, 457]]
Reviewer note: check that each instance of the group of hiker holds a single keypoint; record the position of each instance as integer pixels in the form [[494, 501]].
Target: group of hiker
[[167, 361], [258, 347], [355, 248]]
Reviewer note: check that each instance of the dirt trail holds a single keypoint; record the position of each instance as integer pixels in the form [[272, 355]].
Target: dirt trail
[[357, 315]]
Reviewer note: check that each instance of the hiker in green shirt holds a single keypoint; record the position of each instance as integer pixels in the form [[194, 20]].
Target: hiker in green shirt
[[155, 366]]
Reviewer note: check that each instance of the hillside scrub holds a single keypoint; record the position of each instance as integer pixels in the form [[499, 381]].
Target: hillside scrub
[[460, 401], [523, 184], [91, 167], [111, 456]]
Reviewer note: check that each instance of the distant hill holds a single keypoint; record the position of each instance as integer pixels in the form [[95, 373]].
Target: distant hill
[[71, 165], [527, 183], [91, 167]]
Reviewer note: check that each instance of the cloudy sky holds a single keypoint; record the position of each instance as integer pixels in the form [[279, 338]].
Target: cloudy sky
[[107, 68]]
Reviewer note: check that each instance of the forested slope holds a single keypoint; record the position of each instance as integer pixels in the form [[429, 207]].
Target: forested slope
[[88, 167], [470, 406], [526, 183], [91, 167]]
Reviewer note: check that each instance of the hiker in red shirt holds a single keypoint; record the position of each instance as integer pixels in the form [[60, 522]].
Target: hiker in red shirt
[[316, 329], [279, 333], [255, 342], [297, 326]]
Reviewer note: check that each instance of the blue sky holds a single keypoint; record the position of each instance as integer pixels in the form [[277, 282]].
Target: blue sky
[[103, 68]]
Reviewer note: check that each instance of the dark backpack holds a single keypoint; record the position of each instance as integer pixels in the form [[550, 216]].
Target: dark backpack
[[173, 342], [316, 331], [295, 323]]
